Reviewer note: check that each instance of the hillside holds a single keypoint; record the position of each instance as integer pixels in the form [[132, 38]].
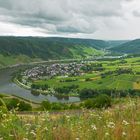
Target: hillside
[[114, 43], [131, 47], [15, 50], [50, 48]]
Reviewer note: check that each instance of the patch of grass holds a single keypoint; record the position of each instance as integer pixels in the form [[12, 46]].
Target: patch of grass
[[13, 60], [120, 82], [118, 123]]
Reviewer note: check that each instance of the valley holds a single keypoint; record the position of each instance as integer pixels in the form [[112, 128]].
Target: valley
[[83, 86]]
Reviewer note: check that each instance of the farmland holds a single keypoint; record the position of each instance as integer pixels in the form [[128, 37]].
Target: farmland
[[120, 74]]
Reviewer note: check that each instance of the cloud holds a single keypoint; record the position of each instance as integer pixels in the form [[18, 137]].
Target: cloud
[[136, 13], [64, 16]]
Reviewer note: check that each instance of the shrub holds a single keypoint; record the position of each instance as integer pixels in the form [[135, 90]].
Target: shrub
[[24, 106], [18, 105], [13, 104], [87, 93], [100, 101], [56, 106], [46, 105]]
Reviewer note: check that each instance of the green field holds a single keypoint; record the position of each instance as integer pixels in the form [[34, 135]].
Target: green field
[[121, 82], [113, 81], [13, 60]]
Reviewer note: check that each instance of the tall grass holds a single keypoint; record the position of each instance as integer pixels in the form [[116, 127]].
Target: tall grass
[[119, 123]]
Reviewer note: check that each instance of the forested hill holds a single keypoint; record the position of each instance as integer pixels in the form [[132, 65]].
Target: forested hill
[[50, 48], [131, 47]]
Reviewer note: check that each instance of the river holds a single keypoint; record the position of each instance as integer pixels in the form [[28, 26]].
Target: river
[[10, 88]]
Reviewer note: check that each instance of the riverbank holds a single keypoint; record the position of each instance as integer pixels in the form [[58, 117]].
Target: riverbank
[[44, 92]]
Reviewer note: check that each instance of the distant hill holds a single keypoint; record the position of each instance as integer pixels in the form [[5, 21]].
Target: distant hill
[[50, 48], [114, 43], [131, 47]]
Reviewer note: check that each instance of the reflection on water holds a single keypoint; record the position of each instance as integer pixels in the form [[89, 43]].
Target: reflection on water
[[62, 97], [58, 97], [35, 93], [8, 87]]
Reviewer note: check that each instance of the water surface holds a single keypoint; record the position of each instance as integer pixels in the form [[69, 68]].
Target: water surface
[[10, 88]]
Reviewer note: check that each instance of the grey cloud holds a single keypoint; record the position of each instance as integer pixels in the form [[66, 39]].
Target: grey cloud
[[66, 16], [136, 13]]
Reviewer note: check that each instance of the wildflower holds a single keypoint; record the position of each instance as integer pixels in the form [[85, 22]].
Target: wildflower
[[46, 128], [54, 128], [33, 133], [67, 116], [43, 119], [25, 139], [77, 139], [106, 134], [1, 138], [11, 135], [28, 125], [125, 122], [3, 115], [123, 133], [94, 127], [100, 118], [111, 125]]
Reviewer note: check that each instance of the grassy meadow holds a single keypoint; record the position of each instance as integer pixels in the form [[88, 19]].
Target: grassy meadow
[[121, 122]]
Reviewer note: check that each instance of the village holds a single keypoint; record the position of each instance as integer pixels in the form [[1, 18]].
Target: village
[[68, 69]]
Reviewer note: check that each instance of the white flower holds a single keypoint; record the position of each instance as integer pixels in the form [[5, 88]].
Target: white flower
[[3, 115], [94, 127], [11, 135], [33, 133], [25, 139], [125, 122], [123, 133], [111, 125], [46, 128], [106, 134], [28, 125]]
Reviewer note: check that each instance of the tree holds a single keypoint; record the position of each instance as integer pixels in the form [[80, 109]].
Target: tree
[[46, 105], [100, 101]]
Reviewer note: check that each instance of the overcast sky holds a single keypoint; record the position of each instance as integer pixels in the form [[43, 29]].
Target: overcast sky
[[102, 19]]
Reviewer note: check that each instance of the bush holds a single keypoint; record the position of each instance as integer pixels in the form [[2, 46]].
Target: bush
[[24, 106], [102, 100], [56, 106], [98, 102], [18, 105], [12, 104], [87, 93], [66, 89], [74, 106], [89, 103], [46, 105]]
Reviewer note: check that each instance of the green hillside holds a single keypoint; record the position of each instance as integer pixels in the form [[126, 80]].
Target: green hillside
[[13, 60], [114, 43], [15, 50], [50, 48], [131, 47]]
